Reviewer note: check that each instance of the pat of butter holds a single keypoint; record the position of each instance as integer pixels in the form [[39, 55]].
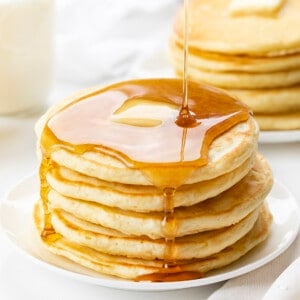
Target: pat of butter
[[255, 7], [144, 113]]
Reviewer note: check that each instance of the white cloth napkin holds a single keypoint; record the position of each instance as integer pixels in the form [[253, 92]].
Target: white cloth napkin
[[286, 286], [254, 285]]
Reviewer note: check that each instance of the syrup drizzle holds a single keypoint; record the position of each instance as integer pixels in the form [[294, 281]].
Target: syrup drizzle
[[169, 227], [185, 118]]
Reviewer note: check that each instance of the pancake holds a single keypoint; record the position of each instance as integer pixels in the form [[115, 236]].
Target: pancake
[[214, 29], [115, 243], [243, 80], [287, 121], [226, 153], [223, 210], [219, 62], [233, 149], [131, 268], [271, 101], [138, 197]]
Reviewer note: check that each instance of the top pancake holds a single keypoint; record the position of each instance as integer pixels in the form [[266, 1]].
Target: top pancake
[[226, 153], [214, 29]]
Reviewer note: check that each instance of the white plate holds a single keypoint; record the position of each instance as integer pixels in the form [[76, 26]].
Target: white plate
[[284, 136], [15, 217]]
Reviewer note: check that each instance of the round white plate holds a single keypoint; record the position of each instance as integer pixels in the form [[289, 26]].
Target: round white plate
[[15, 217], [285, 136]]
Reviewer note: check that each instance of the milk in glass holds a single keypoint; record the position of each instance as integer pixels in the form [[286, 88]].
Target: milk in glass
[[26, 51]]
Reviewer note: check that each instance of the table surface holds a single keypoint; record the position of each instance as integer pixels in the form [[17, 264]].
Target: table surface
[[21, 279]]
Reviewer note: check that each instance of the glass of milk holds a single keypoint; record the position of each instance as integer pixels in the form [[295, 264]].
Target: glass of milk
[[26, 54]]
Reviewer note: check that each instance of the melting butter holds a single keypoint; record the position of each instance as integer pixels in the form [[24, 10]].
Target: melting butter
[[144, 112], [255, 7]]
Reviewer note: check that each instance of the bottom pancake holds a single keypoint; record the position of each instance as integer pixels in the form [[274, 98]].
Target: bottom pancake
[[287, 121], [133, 268]]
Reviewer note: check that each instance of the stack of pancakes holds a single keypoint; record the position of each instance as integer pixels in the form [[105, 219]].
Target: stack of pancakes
[[108, 217], [254, 55]]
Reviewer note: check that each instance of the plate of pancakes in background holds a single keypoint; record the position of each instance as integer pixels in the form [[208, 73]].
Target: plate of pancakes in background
[[128, 199], [253, 52]]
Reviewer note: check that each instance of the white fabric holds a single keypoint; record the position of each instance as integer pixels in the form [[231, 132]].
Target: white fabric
[[286, 285], [255, 284]]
